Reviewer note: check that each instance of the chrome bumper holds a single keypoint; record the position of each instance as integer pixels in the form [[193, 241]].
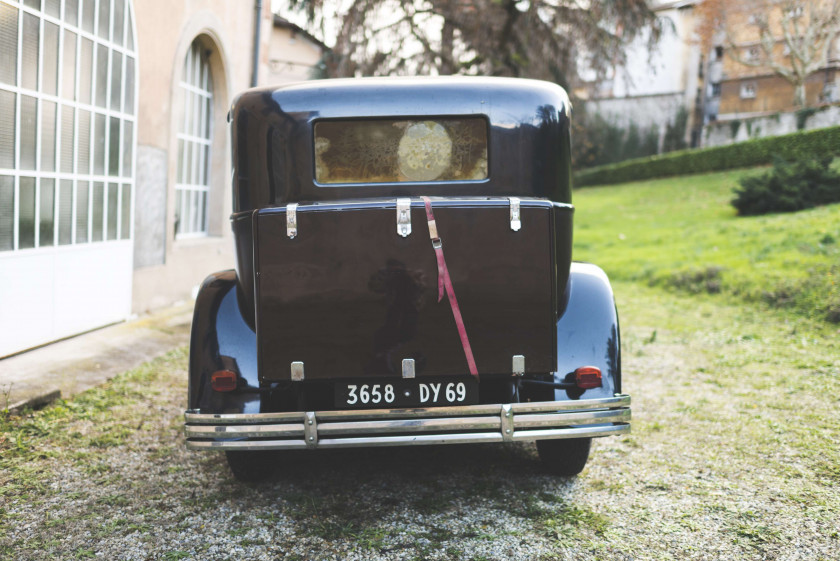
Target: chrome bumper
[[404, 427]]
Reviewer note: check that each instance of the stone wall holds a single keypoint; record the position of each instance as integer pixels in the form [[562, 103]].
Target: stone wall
[[643, 111], [719, 133]]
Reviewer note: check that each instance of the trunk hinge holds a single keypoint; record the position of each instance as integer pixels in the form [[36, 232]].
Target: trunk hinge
[[404, 217], [515, 215], [291, 220]]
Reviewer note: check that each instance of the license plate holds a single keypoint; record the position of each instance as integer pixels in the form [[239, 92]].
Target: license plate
[[398, 394]]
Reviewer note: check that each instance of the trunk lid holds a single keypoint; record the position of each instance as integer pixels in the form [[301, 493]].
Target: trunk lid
[[349, 297]]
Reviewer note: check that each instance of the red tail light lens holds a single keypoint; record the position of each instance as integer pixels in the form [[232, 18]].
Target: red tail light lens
[[223, 381], [588, 377]]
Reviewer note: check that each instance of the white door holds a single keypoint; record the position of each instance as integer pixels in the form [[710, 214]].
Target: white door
[[67, 141]]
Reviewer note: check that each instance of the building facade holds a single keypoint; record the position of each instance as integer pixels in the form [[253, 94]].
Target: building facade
[[658, 87], [741, 83], [114, 154]]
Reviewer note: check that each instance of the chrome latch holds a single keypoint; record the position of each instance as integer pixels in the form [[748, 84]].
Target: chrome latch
[[291, 220], [518, 365], [515, 216], [297, 372], [408, 368], [404, 217]]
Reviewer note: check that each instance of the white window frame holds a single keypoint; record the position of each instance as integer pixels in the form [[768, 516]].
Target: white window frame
[[192, 185], [123, 231]]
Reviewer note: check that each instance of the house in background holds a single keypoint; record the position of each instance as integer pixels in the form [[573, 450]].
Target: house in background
[[736, 93], [656, 89], [114, 153], [293, 53]]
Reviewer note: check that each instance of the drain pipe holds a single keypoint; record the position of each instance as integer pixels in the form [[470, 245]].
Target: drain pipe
[[255, 69]]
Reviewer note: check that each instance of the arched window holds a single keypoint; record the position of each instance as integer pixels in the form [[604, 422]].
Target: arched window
[[67, 114], [194, 139]]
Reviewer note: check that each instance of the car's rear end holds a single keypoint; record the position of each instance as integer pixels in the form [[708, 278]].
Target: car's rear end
[[403, 275]]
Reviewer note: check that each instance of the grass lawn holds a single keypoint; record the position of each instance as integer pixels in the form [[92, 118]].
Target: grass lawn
[[682, 233]]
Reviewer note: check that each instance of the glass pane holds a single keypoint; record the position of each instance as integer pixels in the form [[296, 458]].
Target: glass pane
[[206, 150], [7, 129], [208, 118], [104, 19], [179, 178], [188, 164], [99, 145], [113, 210], [7, 212], [396, 150], [127, 145], [49, 82], [98, 210], [33, 4], [47, 224], [65, 212], [178, 194], [119, 14], [71, 12], [88, 10], [28, 131], [101, 75], [83, 148], [202, 78], [191, 212], [53, 8], [200, 164], [114, 147], [68, 67], [190, 113], [82, 198], [130, 33], [47, 136], [202, 201], [8, 44], [85, 70], [67, 121], [116, 79], [26, 220], [129, 86], [29, 56], [125, 212]]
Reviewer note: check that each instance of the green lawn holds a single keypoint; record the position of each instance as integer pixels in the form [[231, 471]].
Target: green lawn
[[682, 233]]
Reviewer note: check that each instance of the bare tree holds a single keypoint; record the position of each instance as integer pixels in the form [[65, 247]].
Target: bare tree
[[791, 38], [545, 39]]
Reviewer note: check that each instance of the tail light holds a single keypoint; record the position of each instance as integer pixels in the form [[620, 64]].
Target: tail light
[[588, 377], [223, 381]]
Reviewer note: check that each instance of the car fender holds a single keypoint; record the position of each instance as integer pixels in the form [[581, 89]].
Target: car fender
[[221, 339], [588, 333]]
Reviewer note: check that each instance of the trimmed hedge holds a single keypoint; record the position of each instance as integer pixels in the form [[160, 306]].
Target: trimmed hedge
[[760, 151]]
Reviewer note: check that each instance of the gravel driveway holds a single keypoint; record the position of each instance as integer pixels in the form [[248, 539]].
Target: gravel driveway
[[733, 456]]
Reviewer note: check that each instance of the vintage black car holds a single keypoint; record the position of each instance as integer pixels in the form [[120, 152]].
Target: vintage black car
[[404, 276]]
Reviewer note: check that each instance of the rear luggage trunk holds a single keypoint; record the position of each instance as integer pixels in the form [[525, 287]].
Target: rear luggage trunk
[[351, 298]]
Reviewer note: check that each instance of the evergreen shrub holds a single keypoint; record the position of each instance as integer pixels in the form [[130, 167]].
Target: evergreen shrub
[[788, 187]]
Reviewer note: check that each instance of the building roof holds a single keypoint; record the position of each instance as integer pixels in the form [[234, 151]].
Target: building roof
[[280, 21]]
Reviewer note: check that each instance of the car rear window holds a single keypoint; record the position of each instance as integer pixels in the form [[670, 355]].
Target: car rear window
[[400, 150]]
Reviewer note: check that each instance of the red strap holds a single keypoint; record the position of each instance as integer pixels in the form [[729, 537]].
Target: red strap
[[444, 282]]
